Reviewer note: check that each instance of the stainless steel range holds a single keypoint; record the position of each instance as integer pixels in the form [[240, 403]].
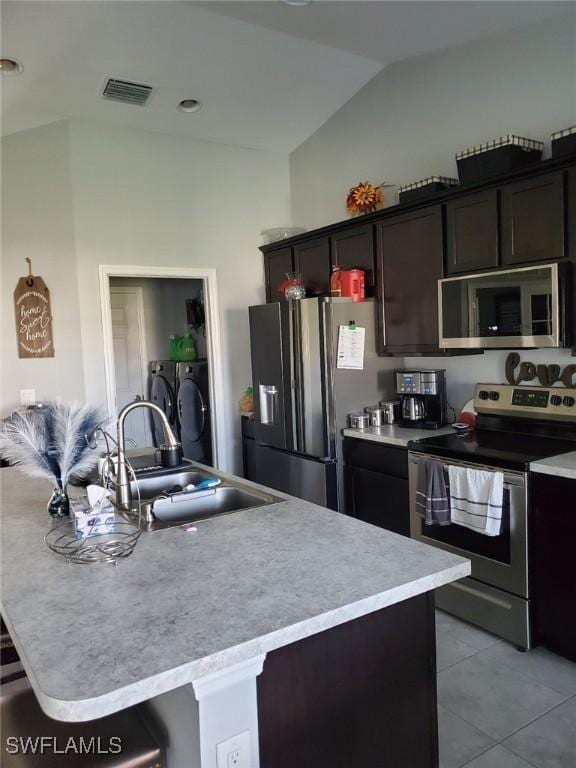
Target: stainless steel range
[[516, 426]]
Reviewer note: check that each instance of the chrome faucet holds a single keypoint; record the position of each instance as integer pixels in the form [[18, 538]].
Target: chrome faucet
[[123, 491]]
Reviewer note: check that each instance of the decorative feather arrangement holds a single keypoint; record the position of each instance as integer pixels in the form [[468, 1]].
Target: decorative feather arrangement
[[55, 441]]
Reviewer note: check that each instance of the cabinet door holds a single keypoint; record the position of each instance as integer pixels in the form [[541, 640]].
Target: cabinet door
[[553, 564], [312, 259], [355, 248], [410, 262], [472, 232], [533, 220], [379, 499], [276, 264]]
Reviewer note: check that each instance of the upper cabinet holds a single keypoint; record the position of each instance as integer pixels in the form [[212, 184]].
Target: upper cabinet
[[276, 265], [354, 247], [533, 220], [523, 219], [409, 263], [472, 232], [312, 260], [571, 233]]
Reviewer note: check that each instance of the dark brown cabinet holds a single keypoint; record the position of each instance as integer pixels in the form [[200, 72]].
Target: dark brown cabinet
[[472, 232], [355, 248], [276, 264], [376, 478], [553, 563], [409, 263], [533, 220], [571, 224], [312, 259]]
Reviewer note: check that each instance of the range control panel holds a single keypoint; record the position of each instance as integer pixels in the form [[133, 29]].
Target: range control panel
[[526, 401]]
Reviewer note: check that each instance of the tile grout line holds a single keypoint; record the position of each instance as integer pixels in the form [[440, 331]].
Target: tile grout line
[[544, 714], [526, 674], [460, 661], [501, 741]]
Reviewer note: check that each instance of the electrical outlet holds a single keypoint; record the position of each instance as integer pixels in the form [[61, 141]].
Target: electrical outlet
[[234, 752], [27, 396]]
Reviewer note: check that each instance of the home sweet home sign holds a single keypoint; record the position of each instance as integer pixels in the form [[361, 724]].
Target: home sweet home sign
[[33, 317]]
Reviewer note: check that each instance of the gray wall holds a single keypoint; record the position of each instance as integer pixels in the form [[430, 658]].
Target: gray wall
[[37, 222], [410, 119]]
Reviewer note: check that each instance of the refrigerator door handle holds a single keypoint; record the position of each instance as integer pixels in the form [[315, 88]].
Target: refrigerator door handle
[[297, 377], [328, 363]]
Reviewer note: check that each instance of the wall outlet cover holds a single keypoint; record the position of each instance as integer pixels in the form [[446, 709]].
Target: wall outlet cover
[[27, 396], [234, 752]]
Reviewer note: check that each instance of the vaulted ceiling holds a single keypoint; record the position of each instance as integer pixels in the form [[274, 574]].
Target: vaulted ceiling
[[268, 75]]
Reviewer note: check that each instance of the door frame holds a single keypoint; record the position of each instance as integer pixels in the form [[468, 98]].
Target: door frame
[[213, 339], [139, 293]]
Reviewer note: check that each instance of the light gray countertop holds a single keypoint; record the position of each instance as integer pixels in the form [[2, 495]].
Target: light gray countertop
[[391, 434], [560, 466], [95, 639]]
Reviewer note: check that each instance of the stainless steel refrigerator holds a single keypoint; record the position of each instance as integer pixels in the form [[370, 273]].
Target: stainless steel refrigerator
[[302, 398]]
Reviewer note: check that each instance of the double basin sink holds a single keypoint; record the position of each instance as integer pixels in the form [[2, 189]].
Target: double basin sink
[[164, 498]]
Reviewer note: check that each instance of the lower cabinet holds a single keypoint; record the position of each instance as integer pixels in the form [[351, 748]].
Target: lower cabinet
[[376, 478], [248, 449], [553, 563]]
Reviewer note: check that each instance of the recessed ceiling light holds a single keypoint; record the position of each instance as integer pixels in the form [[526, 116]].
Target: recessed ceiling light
[[10, 67], [297, 3], [190, 105]]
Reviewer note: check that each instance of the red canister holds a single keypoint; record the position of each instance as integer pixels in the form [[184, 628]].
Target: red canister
[[352, 284]]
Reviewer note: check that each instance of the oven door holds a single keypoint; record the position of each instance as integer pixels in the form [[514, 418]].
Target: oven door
[[506, 309], [498, 561]]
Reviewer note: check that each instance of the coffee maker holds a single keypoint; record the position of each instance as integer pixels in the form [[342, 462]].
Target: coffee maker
[[423, 398]]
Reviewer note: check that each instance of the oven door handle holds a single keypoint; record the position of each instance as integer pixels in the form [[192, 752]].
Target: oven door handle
[[516, 479]]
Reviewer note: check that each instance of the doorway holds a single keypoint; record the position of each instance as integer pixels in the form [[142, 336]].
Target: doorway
[[160, 333]]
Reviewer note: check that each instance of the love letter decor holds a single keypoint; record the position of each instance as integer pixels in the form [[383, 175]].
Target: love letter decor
[[33, 317], [547, 375]]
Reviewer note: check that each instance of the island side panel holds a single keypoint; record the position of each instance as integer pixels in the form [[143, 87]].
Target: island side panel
[[362, 694]]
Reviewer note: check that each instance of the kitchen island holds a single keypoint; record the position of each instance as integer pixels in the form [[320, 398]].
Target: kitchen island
[[309, 630]]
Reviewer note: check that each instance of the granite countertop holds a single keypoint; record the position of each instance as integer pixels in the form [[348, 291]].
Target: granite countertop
[[95, 639], [561, 466], [391, 434]]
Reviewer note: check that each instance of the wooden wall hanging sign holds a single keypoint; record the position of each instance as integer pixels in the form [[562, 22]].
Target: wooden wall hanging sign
[[33, 317]]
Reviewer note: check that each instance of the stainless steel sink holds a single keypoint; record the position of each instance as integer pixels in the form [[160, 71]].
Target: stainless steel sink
[[167, 498], [203, 505], [148, 486]]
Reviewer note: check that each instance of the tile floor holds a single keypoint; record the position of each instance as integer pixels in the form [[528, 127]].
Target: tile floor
[[499, 708]]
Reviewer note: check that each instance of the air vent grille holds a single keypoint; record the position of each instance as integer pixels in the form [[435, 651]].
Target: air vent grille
[[127, 92]]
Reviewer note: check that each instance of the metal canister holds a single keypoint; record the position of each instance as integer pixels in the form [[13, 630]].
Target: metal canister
[[391, 410], [375, 415], [358, 420]]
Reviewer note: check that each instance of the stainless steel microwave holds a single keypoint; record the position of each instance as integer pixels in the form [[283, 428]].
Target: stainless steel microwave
[[507, 309]]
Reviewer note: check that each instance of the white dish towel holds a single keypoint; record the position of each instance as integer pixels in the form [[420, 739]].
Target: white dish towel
[[476, 499]]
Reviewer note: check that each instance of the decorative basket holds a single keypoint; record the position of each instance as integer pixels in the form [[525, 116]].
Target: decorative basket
[[497, 157]]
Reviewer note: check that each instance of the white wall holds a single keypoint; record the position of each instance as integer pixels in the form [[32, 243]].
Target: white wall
[[150, 199], [37, 222], [410, 119], [83, 194]]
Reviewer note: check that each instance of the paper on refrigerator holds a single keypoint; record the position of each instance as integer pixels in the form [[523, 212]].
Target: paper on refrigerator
[[351, 347]]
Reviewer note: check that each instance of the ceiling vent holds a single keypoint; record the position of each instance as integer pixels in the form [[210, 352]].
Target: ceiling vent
[[126, 92]]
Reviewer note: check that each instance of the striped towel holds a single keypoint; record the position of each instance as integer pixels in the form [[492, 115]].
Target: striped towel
[[476, 499], [432, 503]]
